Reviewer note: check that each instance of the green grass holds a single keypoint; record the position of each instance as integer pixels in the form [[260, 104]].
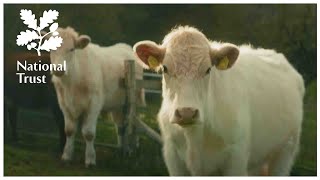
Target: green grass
[[34, 155], [306, 163]]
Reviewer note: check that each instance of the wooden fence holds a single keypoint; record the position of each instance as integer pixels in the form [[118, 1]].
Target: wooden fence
[[132, 126]]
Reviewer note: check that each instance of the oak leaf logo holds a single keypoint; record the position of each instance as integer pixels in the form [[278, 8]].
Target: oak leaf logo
[[33, 38]]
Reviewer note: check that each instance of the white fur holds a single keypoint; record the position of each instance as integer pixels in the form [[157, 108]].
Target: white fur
[[90, 85], [249, 115]]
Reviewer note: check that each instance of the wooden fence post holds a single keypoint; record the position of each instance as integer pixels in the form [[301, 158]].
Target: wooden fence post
[[131, 139]]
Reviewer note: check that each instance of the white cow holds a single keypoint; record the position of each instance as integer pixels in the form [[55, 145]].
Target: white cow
[[220, 121], [89, 85]]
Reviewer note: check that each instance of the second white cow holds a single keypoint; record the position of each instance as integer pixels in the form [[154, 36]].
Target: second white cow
[[226, 110], [89, 85]]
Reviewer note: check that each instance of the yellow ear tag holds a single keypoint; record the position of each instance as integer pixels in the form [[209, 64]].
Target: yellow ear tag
[[153, 62], [223, 64]]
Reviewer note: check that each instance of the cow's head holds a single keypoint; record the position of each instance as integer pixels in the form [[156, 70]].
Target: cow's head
[[186, 58], [71, 42]]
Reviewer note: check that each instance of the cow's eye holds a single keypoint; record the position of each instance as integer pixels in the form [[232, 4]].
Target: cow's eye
[[164, 69], [208, 71]]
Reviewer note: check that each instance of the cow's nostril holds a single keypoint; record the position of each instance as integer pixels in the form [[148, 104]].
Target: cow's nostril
[[185, 116], [186, 113], [177, 114], [196, 112]]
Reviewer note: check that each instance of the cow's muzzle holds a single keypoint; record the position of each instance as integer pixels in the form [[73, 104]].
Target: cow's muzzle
[[185, 116]]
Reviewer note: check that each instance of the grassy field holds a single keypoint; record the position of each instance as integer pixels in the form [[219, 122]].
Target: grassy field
[[34, 155], [306, 163]]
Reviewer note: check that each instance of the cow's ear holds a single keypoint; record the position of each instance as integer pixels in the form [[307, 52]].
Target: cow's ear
[[224, 57], [82, 41], [149, 53]]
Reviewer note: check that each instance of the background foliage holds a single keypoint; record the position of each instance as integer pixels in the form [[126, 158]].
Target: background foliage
[[290, 29]]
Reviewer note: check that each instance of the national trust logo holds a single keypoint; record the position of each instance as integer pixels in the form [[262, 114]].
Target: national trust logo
[[35, 38]]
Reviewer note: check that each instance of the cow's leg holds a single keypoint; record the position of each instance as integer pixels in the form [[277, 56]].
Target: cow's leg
[[118, 119], [89, 133], [284, 159], [141, 97], [70, 130], [175, 165], [127, 142]]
